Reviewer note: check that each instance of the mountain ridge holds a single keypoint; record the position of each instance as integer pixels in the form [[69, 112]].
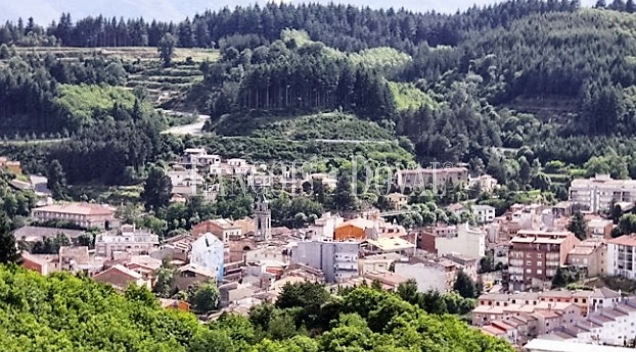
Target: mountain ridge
[[46, 11]]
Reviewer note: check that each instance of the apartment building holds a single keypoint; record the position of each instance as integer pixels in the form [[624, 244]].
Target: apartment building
[[600, 192], [535, 256], [421, 178], [127, 239], [337, 260], [589, 257], [614, 325], [484, 213], [81, 214], [468, 241], [620, 256]]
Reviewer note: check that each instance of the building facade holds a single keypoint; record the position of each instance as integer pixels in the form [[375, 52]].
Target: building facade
[[620, 257], [535, 256], [208, 252], [223, 229], [600, 192], [438, 178], [337, 260], [484, 213], [81, 214], [127, 239], [470, 242], [263, 220]]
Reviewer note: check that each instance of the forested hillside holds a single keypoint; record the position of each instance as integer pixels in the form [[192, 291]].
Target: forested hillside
[[66, 313], [547, 75]]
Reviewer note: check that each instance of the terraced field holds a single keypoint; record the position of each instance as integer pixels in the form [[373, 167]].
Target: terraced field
[[166, 86]]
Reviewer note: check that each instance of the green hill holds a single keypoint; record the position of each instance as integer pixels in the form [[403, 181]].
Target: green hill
[[333, 126]]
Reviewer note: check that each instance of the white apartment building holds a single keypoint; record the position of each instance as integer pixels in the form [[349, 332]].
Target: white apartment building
[[468, 241], [127, 239], [620, 257], [614, 326], [599, 192], [337, 260], [484, 213]]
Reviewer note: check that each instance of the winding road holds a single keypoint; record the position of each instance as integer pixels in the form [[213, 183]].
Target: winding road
[[193, 128]]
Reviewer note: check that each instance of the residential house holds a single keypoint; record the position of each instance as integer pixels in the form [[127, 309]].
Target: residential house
[[426, 239], [437, 275], [32, 262], [121, 277], [550, 345], [126, 239], [398, 200], [356, 229], [599, 227], [601, 192], [387, 245], [325, 226], [80, 214], [208, 252], [75, 259], [466, 264], [620, 256], [337, 260], [484, 213], [614, 325], [389, 281], [223, 229], [378, 262], [191, 274], [535, 256], [486, 183], [422, 178], [590, 257]]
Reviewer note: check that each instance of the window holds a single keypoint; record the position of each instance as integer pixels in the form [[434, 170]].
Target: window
[[539, 272]]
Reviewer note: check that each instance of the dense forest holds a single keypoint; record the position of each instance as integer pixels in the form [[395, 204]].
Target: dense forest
[[62, 312], [547, 75]]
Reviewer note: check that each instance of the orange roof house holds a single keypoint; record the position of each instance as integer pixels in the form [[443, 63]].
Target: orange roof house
[[353, 229]]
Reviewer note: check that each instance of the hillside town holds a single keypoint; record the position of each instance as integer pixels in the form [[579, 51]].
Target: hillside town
[[534, 277]]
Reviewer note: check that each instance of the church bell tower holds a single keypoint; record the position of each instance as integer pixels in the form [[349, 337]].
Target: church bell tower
[[263, 219]]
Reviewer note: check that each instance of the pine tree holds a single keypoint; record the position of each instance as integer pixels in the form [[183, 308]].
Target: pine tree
[[559, 280], [157, 189], [578, 226], [56, 179], [8, 251]]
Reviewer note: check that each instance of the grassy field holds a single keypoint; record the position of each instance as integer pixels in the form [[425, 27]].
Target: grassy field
[[123, 53]]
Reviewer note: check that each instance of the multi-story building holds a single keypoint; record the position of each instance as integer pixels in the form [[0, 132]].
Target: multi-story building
[[600, 192], [437, 275], [337, 260], [484, 213], [590, 257], [535, 256], [208, 252], [468, 241], [620, 256], [127, 239], [438, 178], [81, 214]]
